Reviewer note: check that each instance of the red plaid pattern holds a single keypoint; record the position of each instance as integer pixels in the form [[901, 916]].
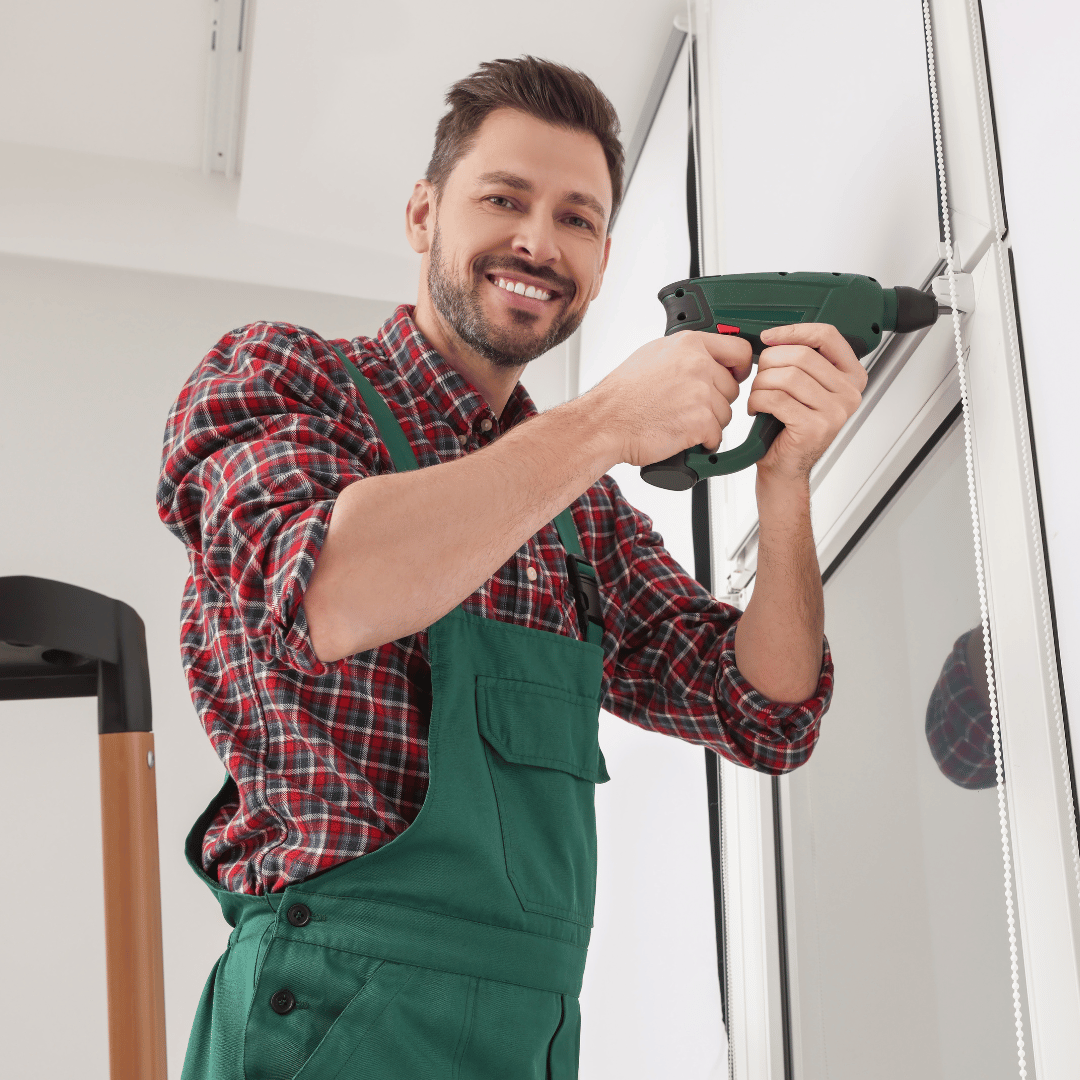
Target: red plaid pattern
[[958, 724], [330, 760]]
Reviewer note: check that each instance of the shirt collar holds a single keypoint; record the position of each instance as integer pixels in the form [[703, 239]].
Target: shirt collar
[[432, 377]]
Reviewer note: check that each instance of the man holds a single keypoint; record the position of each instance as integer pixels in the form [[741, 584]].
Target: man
[[410, 595]]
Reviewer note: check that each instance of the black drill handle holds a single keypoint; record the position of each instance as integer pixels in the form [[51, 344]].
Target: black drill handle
[[683, 470]]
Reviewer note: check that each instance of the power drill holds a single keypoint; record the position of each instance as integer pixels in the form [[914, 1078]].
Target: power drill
[[746, 304]]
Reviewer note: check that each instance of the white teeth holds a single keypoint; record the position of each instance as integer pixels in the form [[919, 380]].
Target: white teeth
[[521, 289]]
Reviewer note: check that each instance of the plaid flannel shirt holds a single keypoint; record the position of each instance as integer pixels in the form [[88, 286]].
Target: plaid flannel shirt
[[959, 729], [330, 759]]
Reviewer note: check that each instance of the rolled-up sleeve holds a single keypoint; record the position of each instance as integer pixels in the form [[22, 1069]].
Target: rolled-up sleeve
[[262, 438], [774, 737], [670, 652]]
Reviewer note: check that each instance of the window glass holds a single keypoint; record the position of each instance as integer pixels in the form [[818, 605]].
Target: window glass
[[899, 950]]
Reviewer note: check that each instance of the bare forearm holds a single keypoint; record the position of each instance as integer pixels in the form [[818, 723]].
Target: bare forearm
[[403, 549], [778, 642]]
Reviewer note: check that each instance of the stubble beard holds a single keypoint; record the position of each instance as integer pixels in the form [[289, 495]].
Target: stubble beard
[[459, 304]]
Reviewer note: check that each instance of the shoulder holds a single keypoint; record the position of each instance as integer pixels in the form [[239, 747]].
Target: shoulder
[[264, 365], [276, 351]]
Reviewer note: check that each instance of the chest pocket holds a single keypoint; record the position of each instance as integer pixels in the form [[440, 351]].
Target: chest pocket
[[545, 761]]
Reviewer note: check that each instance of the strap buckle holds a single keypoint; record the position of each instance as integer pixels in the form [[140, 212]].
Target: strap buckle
[[586, 593]]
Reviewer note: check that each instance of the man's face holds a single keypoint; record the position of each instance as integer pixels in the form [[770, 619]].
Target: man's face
[[526, 208]]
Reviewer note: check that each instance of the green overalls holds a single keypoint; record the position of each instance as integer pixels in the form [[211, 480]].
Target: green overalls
[[456, 950]]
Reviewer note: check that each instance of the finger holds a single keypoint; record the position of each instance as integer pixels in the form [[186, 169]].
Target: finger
[[810, 361], [813, 424], [804, 388], [722, 412], [725, 382], [821, 336], [735, 353], [797, 384]]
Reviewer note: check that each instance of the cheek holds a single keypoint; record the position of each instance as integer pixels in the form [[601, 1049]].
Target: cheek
[[594, 282]]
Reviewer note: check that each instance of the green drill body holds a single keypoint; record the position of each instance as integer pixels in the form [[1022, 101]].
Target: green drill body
[[746, 304]]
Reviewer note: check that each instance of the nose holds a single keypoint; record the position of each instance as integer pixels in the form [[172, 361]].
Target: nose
[[535, 239]]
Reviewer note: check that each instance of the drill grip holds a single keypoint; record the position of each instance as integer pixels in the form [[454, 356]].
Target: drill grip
[[683, 470]]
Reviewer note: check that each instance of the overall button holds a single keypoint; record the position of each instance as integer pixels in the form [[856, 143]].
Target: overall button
[[299, 915], [283, 1002]]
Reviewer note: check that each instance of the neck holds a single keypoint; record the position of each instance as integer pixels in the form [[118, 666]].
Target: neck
[[495, 384]]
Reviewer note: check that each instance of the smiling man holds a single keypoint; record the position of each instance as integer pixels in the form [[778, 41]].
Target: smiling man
[[410, 595]]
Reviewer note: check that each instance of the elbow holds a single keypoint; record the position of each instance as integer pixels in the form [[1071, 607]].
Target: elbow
[[326, 649], [785, 692], [325, 625], [333, 629], [324, 642]]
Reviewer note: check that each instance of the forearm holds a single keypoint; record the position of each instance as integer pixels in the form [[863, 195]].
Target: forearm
[[403, 549], [778, 643]]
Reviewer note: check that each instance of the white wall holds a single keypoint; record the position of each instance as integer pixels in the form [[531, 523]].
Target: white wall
[[146, 215], [90, 361]]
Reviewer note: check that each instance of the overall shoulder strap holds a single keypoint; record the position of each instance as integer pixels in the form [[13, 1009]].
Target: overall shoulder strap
[[583, 578], [401, 453]]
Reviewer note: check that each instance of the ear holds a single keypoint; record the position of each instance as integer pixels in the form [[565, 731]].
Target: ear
[[420, 216], [603, 267]]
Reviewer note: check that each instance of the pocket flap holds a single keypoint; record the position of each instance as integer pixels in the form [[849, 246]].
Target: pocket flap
[[533, 724]]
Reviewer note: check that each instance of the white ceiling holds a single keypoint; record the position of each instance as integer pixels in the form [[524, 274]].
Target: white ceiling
[[342, 104], [344, 100], [124, 79]]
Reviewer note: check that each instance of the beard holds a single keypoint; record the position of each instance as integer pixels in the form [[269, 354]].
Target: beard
[[459, 303]]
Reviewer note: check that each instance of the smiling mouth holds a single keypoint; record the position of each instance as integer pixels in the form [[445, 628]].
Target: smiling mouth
[[520, 288]]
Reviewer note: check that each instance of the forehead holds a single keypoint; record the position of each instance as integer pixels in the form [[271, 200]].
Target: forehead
[[553, 159]]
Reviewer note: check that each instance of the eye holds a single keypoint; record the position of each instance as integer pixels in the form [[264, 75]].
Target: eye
[[579, 222], [500, 200]]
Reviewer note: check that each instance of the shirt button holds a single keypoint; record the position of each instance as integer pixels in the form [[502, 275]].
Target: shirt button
[[485, 425], [530, 573], [299, 915], [282, 1002], [463, 439]]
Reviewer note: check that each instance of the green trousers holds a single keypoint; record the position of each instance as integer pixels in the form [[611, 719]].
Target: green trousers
[[456, 951]]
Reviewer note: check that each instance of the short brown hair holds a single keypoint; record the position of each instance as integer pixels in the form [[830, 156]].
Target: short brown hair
[[550, 92]]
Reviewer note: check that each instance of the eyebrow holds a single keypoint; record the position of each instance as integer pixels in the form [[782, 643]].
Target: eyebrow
[[519, 183]]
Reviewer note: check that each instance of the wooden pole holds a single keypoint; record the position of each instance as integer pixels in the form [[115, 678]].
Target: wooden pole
[[136, 975]]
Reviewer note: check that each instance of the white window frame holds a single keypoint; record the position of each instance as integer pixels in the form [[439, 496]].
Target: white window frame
[[913, 387]]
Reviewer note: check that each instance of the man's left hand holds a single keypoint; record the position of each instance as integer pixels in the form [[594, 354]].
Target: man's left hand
[[809, 378]]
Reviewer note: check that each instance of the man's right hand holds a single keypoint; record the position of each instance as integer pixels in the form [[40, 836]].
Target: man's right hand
[[673, 393]]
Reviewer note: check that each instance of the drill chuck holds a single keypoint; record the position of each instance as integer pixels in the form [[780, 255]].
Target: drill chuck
[[911, 309]]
